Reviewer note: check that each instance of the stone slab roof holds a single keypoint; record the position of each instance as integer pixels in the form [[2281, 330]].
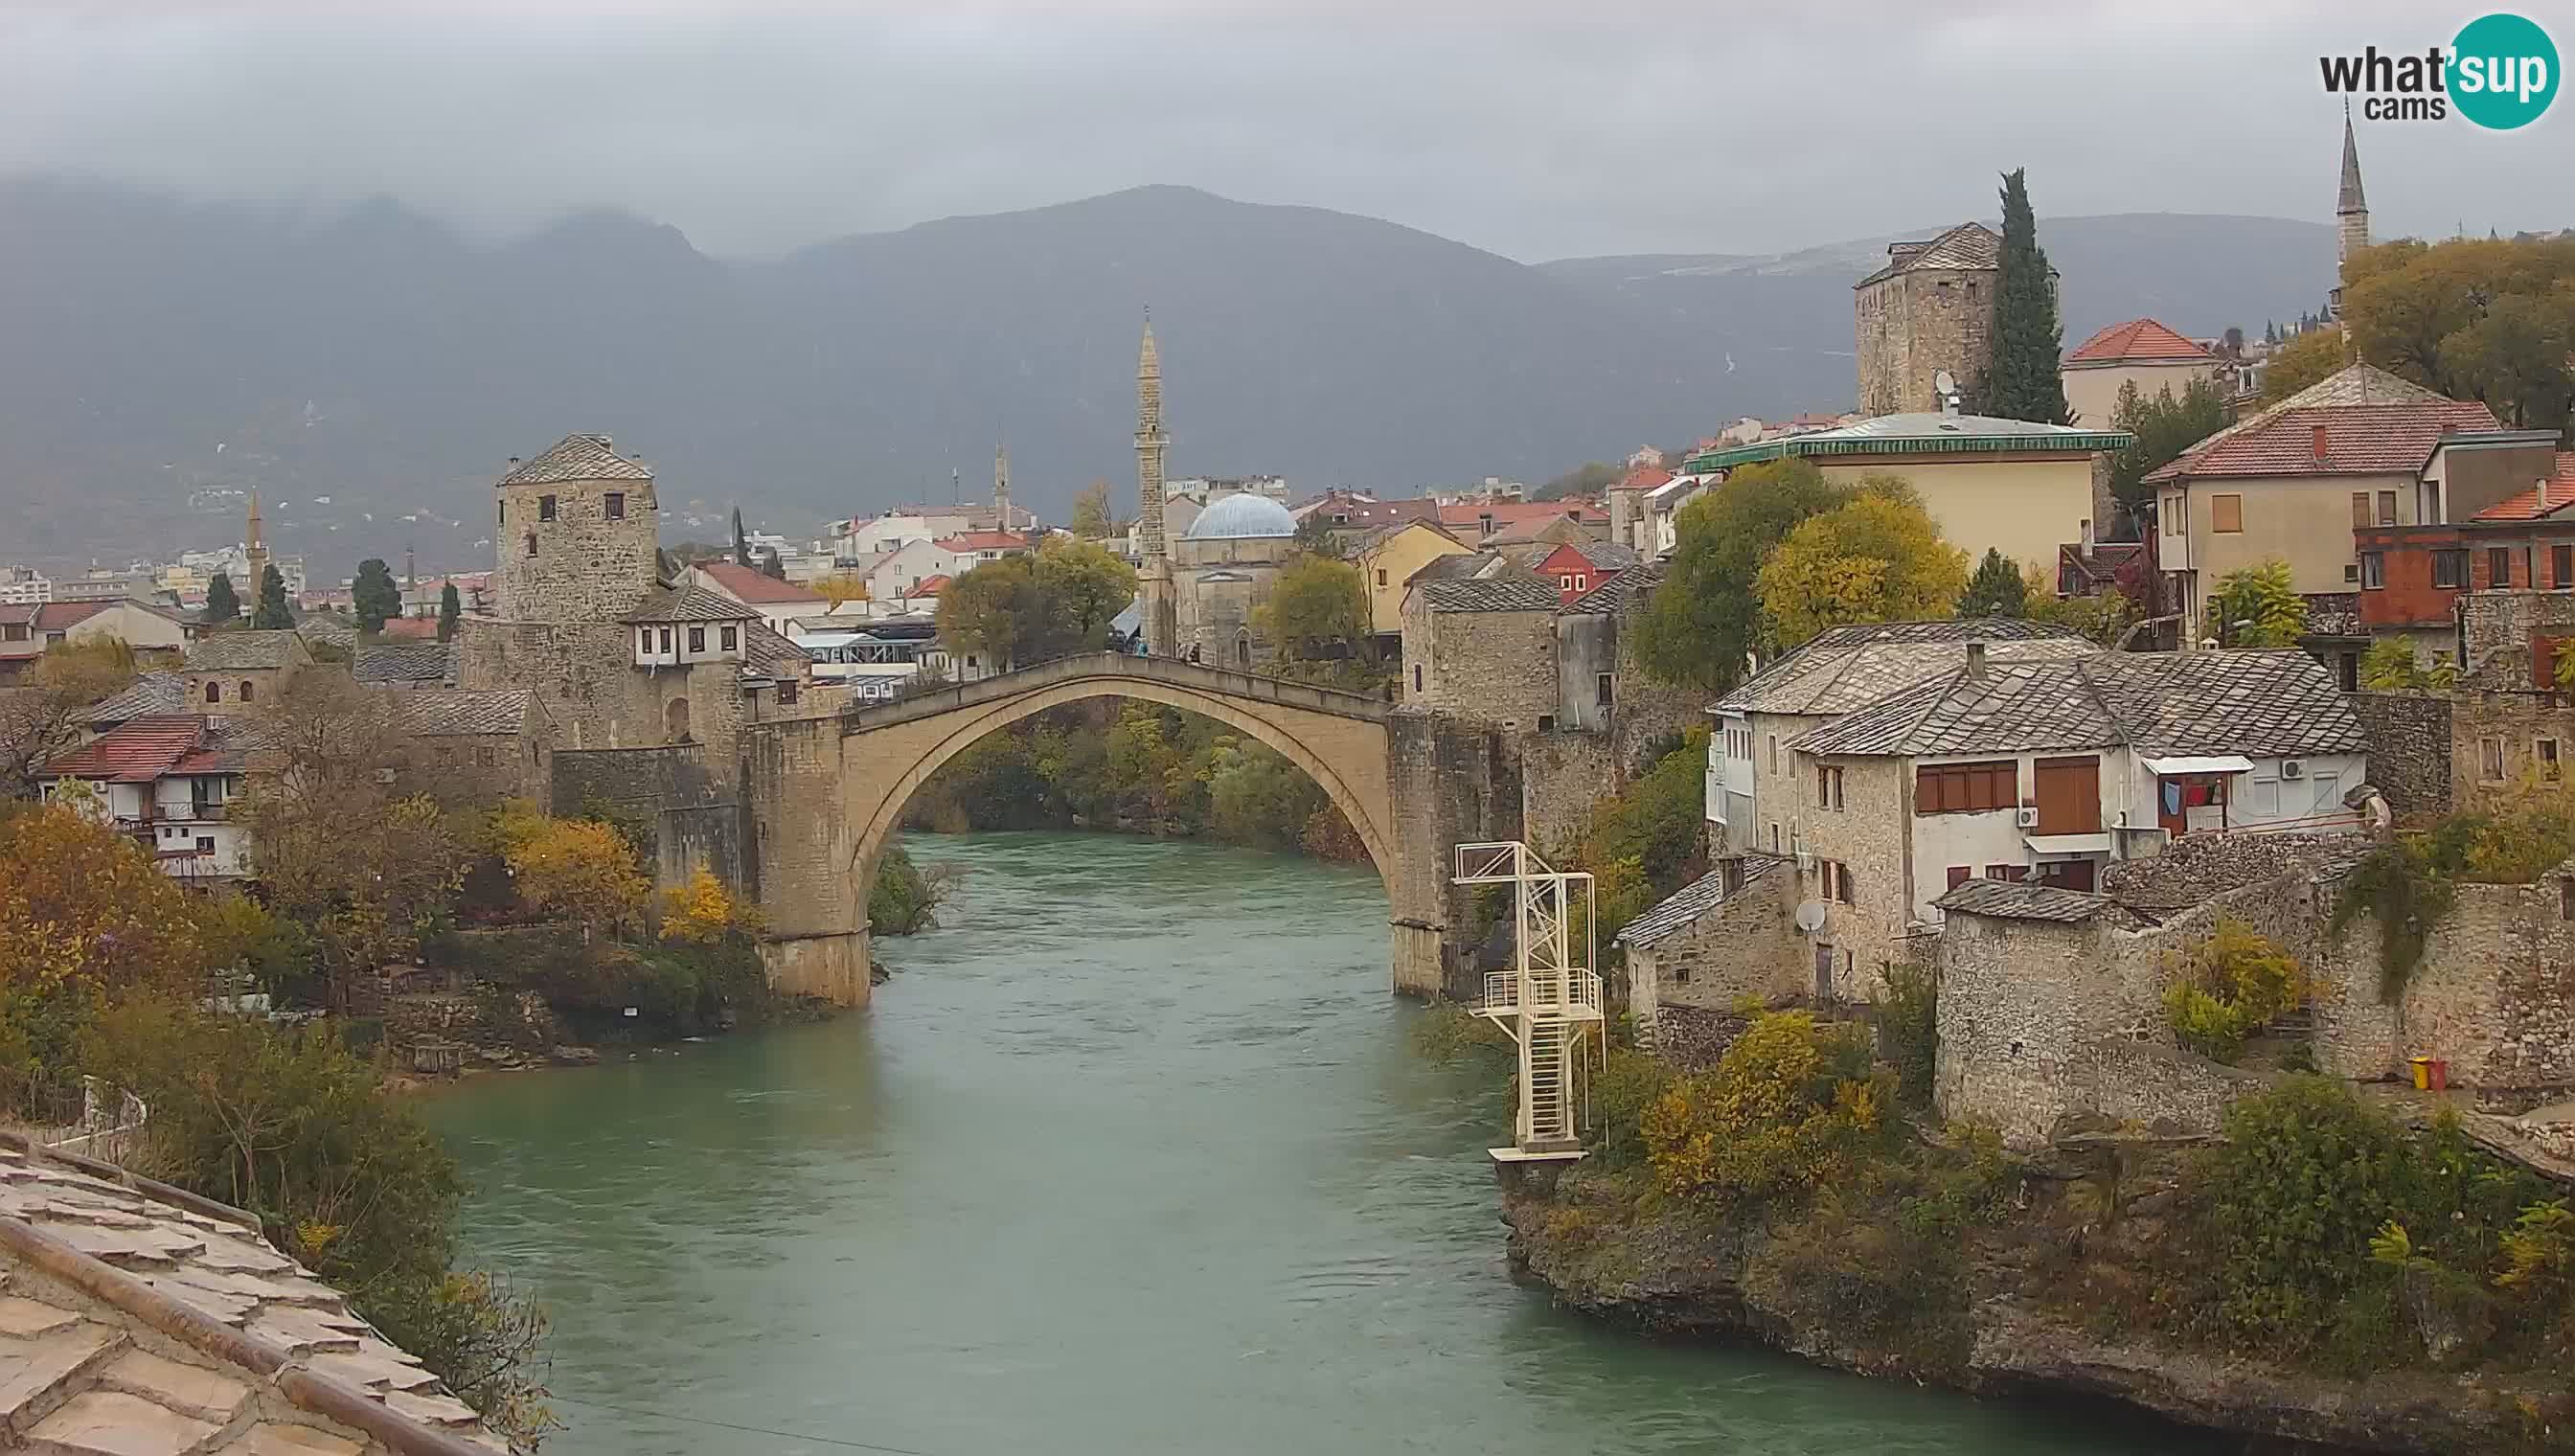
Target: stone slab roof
[[382, 663], [689, 604], [768, 654], [1968, 245], [1846, 669], [1692, 900], [1622, 594], [235, 651], [2023, 900], [1494, 593], [446, 712], [2256, 703], [150, 693], [1453, 566], [139, 1319], [576, 458]]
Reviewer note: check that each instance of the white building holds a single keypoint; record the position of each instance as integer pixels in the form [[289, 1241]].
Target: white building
[[877, 656], [21, 586], [170, 781]]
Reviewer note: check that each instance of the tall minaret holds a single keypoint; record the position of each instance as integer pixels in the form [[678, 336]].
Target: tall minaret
[[1000, 488], [1154, 580], [254, 554], [2351, 209]]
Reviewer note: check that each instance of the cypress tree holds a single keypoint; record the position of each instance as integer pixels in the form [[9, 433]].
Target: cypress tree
[[449, 610], [374, 595], [772, 567], [272, 615], [221, 604], [1996, 590], [2024, 381], [740, 543]]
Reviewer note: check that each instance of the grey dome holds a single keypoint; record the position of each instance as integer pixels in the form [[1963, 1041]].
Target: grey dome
[[1242, 516]]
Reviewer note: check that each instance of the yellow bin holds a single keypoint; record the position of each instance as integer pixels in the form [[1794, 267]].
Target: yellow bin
[[2422, 1072]]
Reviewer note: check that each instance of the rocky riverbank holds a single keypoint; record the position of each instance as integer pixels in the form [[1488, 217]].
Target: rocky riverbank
[[2045, 1295]]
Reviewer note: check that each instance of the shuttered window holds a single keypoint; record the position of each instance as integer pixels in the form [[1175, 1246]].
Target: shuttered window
[[2226, 514], [1966, 787], [2360, 517]]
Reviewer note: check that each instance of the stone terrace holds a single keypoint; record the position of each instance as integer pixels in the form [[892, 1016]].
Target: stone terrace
[[139, 1320]]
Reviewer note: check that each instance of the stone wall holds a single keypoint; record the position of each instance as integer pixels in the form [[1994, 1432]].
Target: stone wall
[[2495, 734], [581, 566], [1915, 324], [594, 694], [1489, 666], [1870, 834], [1744, 946], [2496, 630], [2410, 754], [698, 816], [1451, 783], [1563, 776]]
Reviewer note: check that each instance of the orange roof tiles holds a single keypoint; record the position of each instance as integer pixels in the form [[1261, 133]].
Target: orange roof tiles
[[1643, 478], [137, 750], [2528, 506], [743, 585], [2333, 439], [2138, 341]]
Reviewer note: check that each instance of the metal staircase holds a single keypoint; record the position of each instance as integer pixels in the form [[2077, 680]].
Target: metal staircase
[[1549, 1000]]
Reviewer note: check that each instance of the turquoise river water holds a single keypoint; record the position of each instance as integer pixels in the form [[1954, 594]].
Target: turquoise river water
[[1132, 1159]]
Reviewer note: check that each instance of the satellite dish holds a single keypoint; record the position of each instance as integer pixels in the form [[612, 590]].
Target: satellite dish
[[1945, 383], [1810, 918]]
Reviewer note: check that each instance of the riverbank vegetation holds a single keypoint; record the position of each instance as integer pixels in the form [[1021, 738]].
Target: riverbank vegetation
[[1135, 768]]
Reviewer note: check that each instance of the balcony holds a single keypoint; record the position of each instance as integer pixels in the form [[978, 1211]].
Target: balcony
[[1573, 995]]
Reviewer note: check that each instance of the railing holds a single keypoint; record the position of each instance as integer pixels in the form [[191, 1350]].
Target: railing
[[1571, 991], [101, 1133]]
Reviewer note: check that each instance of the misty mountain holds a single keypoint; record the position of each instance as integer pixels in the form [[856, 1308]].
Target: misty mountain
[[157, 357]]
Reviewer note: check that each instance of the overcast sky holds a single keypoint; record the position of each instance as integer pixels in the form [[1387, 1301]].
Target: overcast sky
[[1537, 130]]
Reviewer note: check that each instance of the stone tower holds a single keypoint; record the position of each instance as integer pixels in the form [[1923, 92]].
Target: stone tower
[[254, 557], [1000, 488], [2351, 209], [1153, 578], [576, 534], [1931, 308]]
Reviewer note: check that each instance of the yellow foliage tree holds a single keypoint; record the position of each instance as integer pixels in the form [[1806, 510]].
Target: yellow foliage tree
[[843, 587], [1788, 1107], [580, 868], [1877, 559], [703, 911]]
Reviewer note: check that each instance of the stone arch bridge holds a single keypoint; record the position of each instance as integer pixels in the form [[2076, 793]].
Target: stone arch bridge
[[821, 796]]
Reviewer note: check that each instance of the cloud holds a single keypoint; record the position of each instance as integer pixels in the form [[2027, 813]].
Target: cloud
[[1534, 131]]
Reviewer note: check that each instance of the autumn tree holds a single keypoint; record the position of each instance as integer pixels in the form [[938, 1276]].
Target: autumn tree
[[1703, 624], [2025, 381], [1083, 586], [451, 611], [2259, 606], [2309, 359], [843, 587], [1024, 609], [1092, 518], [991, 612], [335, 843], [375, 594], [43, 717], [272, 613], [1996, 590], [1318, 609], [2475, 317], [221, 604], [581, 870], [1315, 536], [703, 911], [1877, 559], [2164, 426]]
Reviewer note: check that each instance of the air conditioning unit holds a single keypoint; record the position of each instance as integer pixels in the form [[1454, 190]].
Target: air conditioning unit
[[2293, 769], [2027, 818]]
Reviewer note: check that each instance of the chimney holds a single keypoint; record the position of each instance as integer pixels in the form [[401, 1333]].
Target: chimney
[[2320, 442], [2087, 537], [2543, 494], [1977, 661]]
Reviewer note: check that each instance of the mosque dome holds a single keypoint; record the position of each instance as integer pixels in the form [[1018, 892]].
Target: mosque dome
[[1243, 516]]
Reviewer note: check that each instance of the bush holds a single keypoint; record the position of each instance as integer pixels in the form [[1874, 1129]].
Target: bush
[[1449, 1031], [1632, 1081], [704, 911], [1790, 1107], [1908, 1029], [2235, 984], [904, 900]]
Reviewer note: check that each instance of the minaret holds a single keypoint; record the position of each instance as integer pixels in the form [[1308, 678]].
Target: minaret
[[1154, 580], [1000, 488], [254, 554], [2351, 210]]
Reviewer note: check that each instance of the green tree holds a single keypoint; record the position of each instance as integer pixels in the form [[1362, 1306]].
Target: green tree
[[771, 567], [450, 608], [375, 594], [2024, 381], [1316, 604], [1092, 518], [221, 604], [741, 542], [2310, 358], [1878, 558], [1996, 590], [2515, 358], [1588, 479], [272, 613], [1082, 586], [2259, 606], [993, 613], [1314, 535], [1703, 625], [2164, 426]]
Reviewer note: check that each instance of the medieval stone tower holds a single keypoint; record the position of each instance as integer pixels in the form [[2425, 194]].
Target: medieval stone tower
[[576, 534], [1154, 577], [1931, 308]]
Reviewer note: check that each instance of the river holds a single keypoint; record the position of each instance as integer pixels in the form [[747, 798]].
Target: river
[[1135, 1157]]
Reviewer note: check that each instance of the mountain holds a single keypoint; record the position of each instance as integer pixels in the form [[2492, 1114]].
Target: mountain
[[369, 371]]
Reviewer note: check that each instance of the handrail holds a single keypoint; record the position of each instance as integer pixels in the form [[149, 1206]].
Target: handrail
[[1261, 687]]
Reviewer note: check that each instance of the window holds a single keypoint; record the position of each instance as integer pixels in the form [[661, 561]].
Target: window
[[1416, 676], [2449, 568], [2351, 573], [2498, 567], [1834, 882], [1546, 722], [2373, 569], [2387, 508], [532, 543], [2545, 750], [2013, 872], [1828, 786], [644, 640], [2566, 898], [1960, 874], [205, 844], [2226, 514], [501, 514], [731, 636], [1381, 576], [245, 693], [1581, 582], [1774, 754], [214, 692], [1774, 837], [545, 508], [1565, 582], [788, 691], [2427, 504], [483, 755], [2361, 520], [1604, 689], [616, 504], [697, 639], [1966, 787], [666, 640], [2561, 567], [2490, 759]]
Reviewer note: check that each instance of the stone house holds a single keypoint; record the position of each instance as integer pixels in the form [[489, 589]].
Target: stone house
[[2356, 447], [1482, 650], [1659, 528], [234, 672], [477, 747], [2019, 488], [2050, 770], [1389, 556], [1582, 566], [1929, 310], [405, 664], [169, 781], [2500, 737], [1627, 505], [2140, 352], [1723, 937]]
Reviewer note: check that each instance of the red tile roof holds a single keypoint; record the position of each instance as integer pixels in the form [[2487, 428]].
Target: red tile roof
[[1513, 512], [746, 586], [980, 540], [409, 628], [2528, 506], [137, 750], [929, 586], [2358, 440], [2138, 341], [1643, 478]]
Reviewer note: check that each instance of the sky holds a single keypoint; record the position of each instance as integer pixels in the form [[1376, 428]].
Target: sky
[[1534, 131]]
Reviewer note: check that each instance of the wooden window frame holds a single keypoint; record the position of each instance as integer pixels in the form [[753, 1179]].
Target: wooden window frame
[[2387, 508], [2457, 560], [2561, 566], [2499, 568], [2373, 571], [615, 506], [2226, 515], [2362, 518], [1986, 785], [2490, 765]]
